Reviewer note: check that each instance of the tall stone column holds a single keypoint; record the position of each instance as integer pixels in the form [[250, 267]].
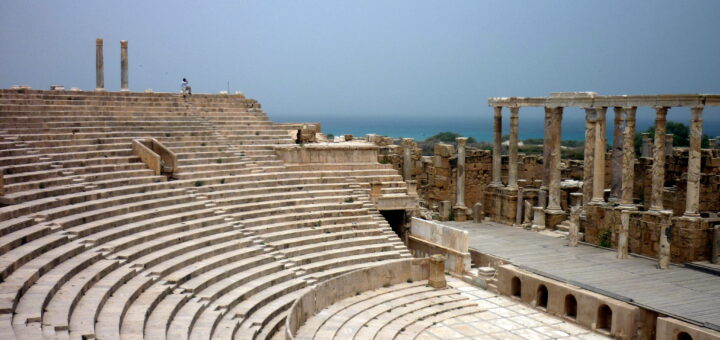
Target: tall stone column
[[590, 124], [513, 149], [554, 173], [407, 158], [460, 190], [628, 164], [547, 137], [99, 66], [658, 167], [693, 169], [599, 162], [497, 148], [123, 66], [617, 156]]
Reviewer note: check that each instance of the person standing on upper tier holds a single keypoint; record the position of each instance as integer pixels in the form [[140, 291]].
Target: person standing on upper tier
[[185, 87]]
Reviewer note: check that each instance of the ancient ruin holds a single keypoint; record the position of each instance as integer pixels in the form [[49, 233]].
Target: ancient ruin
[[142, 215]]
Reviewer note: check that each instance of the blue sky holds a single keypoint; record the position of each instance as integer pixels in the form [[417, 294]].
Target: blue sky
[[382, 62]]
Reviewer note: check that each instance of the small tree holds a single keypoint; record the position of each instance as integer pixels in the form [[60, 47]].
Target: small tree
[[680, 132]]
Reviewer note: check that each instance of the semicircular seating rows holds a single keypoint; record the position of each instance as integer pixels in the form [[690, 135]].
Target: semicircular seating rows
[[401, 311], [95, 245]]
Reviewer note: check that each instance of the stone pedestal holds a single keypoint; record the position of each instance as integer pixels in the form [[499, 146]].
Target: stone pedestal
[[669, 144], [693, 169], [538, 218], [658, 168], [411, 188], [478, 214], [99, 66], [576, 199], [646, 148], [460, 213], [527, 220], [574, 232], [437, 271], [445, 210], [497, 149], [622, 247], [554, 217], [124, 66]]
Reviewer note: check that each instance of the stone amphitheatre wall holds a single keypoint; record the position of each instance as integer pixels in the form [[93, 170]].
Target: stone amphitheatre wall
[[216, 240]]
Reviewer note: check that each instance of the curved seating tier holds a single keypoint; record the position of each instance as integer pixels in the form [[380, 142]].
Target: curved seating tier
[[94, 245]]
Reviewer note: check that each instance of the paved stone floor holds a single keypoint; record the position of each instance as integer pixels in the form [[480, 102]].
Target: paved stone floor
[[504, 318]]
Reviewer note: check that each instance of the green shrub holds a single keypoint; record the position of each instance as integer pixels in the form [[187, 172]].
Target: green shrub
[[605, 238], [199, 183]]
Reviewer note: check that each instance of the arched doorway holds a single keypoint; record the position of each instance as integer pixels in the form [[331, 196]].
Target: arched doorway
[[570, 306], [542, 297], [604, 318]]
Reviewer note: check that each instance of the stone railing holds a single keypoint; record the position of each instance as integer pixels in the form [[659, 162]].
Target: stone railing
[[428, 238], [358, 281], [168, 158], [147, 155]]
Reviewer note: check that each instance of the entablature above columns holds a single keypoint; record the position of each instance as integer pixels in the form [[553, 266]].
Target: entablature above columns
[[591, 100]]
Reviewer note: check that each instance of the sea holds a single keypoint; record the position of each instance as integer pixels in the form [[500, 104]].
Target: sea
[[481, 127]]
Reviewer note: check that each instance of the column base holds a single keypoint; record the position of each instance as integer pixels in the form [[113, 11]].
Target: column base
[[100, 89], [627, 207], [511, 187], [496, 185], [691, 215], [597, 201], [460, 213], [124, 90]]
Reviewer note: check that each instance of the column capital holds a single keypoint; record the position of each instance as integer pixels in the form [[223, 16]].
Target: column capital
[[99, 42], [123, 43], [461, 141], [514, 110], [497, 110]]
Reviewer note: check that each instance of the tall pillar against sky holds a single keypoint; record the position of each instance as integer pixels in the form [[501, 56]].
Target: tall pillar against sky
[[460, 189], [554, 192], [617, 156], [497, 148], [513, 149], [546, 149], [658, 167], [628, 161], [599, 162], [99, 66], [590, 124], [693, 169], [123, 66]]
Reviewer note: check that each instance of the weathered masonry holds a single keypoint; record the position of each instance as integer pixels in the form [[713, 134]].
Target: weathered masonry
[[648, 215]]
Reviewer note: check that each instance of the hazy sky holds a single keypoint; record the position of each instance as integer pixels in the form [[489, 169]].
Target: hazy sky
[[371, 61]]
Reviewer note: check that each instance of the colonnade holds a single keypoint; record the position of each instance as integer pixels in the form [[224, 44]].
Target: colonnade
[[100, 66], [623, 158]]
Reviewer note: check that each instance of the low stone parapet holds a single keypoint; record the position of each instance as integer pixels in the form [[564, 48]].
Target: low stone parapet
[[428, 238], [351, 284], [328, 153]]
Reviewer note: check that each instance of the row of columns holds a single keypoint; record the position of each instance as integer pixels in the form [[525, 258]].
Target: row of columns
[[625, 160], [100, 66], [552, 173], [623, 156]]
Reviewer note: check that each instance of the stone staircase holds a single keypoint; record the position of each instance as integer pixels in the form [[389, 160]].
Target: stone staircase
[[94, 245]]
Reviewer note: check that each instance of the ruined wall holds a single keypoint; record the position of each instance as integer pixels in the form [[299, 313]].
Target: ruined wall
[[690, 240]]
